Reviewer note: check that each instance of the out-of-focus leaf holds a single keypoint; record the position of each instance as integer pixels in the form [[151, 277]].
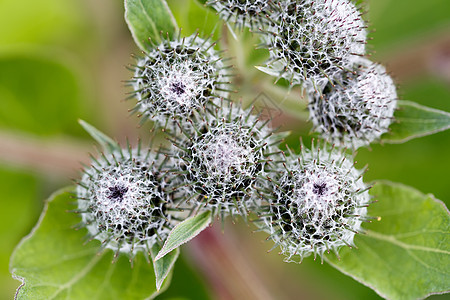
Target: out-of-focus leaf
[[43, 22], [268, 71], [397, 21], [184, 232], [414, 120], [163, 266], [405, 255], [53, 263], [193, 16], [105, 141], [38, 95], [147, 19]]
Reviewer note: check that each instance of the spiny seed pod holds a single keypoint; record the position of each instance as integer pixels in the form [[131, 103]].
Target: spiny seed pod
[[221, 160], [123, 202], [177, 78], [310, 41], [358, 109], [242, 13], [317, 204]]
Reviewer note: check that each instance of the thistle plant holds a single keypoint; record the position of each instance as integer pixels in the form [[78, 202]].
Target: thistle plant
[[358, 108], [123, 201], [221, 159], [310, 42], [218, 164], [178, 77], [243, 13], [316, 204]]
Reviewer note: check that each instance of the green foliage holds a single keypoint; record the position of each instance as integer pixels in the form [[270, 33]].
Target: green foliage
[[53, 262], [414, 120], [195, 17], [397, 21], [18, 214], [105, 141], [184, 232], [39, 94], [44, 21], [163, 266], [406, 254], [187, 282], [148, 19]]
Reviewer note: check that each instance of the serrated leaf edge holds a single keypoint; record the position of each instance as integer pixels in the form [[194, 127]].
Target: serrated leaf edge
[[28, 236], [387, 182]]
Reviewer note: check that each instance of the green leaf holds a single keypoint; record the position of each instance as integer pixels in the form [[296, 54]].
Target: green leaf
[[39, 94], [53, 263], [415, 120], [16, 219], [194, 16], [406, 254], [105, 141], [163, 266], [281, 135], [397, 23], [45, 22], [268, 71], [147, 19], [184, 232]]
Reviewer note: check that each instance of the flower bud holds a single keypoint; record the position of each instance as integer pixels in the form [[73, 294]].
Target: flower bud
[[358, 109], [123, 201], [317, 204]]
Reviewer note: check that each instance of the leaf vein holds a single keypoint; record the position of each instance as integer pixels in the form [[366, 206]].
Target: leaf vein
[[396, 242], [77, 276]]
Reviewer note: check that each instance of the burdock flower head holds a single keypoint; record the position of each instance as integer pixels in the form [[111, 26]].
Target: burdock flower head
[[358, 109], [122, 200], [177, 78], [310, 41], [249, 13], [220, 162], [316, 204]]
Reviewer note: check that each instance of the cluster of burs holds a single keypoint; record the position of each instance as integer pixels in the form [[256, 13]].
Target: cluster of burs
[[225, 158]]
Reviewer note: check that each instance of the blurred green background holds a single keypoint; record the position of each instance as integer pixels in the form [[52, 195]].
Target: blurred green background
[[61, 60]]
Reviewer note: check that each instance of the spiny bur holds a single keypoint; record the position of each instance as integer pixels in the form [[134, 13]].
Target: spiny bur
[[316, 204], [243, 13], [123, 201], [218, 164], [178, 77], [310, 41], [358, 109]]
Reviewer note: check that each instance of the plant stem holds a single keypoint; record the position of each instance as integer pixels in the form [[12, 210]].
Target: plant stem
[[226, 267]]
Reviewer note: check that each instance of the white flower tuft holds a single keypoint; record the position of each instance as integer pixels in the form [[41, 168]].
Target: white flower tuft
[[226, 154], [247, 13], [358, 109], [222, 159], [310, 41], [317, 204], [123, 203], [177, 78]]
